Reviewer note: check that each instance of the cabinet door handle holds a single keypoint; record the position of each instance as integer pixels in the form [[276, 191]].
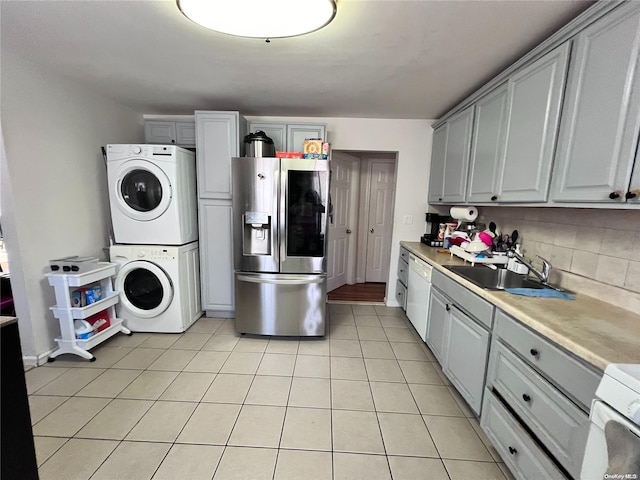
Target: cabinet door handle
[[512, 450], [632, 194], [494, 198], [349, 231], [614, 195], [526, 397], [534, 352], [448, 307], [371, 230]]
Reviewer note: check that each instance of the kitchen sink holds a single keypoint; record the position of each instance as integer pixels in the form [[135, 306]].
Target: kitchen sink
[[498, 279]]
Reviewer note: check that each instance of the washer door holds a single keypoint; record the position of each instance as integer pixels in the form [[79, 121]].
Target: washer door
[[143, 190], [145, 289]]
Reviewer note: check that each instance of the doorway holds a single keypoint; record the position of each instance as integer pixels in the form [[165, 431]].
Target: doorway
[[359, 246]]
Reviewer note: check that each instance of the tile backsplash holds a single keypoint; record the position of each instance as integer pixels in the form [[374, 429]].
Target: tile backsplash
[[593, 251]]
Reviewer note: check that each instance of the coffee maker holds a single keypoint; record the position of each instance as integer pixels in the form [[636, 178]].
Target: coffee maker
[[434, 220]]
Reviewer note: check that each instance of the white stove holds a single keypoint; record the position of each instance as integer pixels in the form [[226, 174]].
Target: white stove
[[613, 446]]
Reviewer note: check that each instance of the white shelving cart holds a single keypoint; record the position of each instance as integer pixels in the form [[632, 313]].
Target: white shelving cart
[[63, 283]]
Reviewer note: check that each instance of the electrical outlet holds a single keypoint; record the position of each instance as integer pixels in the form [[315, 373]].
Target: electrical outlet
[[407, 219]]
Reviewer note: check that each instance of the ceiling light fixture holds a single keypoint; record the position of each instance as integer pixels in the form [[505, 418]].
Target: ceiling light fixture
[[260, 18]]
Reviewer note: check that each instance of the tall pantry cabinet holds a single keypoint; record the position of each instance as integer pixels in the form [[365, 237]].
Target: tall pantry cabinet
[[218, 139]]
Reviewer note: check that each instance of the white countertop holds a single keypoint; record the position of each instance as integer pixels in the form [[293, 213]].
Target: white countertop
[[595, 331]]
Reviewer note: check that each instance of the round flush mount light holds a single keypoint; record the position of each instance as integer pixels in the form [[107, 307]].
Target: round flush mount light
[[260, 18]]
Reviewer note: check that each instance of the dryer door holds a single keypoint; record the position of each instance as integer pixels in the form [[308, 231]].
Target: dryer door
[[145, 288], [142, 189]]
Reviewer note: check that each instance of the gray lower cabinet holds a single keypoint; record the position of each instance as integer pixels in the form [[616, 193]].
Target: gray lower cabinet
[[403, 278], [437, 324], [216, 257], [289, 137], [542, 389], [520, 452], [598, 139], [458, 340], [467, 351]]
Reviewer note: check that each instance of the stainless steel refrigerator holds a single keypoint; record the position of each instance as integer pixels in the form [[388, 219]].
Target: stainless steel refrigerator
[[280, 211]]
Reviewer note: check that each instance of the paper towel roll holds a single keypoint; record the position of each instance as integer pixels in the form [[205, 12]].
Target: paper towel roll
[[466, 214]]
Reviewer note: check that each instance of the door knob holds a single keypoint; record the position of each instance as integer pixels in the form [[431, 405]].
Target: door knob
[[371, 230], [348, 231], [614, 195]]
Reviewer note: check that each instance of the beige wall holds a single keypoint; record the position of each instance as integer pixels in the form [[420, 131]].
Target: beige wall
[[54, 195], [594, 251]]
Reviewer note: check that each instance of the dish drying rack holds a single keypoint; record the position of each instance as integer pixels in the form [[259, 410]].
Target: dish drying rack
[[473, 259]]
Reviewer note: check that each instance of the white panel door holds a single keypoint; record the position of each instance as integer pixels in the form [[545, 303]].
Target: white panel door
[[340, 229], [380, 220]]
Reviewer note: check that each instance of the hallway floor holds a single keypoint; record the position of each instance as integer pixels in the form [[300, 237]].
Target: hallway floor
[[367, 402], [372, 293]]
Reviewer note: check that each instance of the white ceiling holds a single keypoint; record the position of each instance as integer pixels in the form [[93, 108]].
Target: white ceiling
[[378, 58]]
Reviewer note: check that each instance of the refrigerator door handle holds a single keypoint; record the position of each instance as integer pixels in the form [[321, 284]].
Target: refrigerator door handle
[[290, 280]]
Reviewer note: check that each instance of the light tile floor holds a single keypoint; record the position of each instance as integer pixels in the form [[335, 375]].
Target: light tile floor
[[369, 401]]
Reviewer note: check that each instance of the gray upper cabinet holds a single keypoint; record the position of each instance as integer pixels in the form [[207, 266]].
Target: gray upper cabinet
[[450, 159], [218, 140], [599, 129], [438, 152], [297, 133], [163, 132], [489, 133], [534, 102], [456, 164], [290, 137], [275, 131]]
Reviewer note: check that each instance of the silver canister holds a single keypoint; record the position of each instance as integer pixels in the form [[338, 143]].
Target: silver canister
[[258, 144]]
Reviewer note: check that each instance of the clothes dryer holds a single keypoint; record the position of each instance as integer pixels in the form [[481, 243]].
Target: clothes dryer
[[159, 286], [152, 194]]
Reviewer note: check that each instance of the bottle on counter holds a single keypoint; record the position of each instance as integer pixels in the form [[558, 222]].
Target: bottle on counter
[[446, 243]]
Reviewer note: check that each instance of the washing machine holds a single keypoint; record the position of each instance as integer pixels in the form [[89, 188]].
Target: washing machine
[[159, 286], [152, 194]]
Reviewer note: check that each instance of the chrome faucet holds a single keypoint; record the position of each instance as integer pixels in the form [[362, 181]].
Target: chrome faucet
[[546, 266]]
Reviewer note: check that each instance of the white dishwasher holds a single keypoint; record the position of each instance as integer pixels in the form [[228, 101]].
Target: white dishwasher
[[418, 292]]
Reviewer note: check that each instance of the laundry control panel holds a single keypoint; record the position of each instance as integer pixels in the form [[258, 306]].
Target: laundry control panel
[[157, 254]]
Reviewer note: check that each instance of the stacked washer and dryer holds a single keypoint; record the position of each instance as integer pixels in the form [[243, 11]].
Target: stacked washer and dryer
[[152, 194]]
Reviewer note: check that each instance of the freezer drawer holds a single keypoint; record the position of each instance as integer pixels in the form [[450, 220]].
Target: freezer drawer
[[281, 304]]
